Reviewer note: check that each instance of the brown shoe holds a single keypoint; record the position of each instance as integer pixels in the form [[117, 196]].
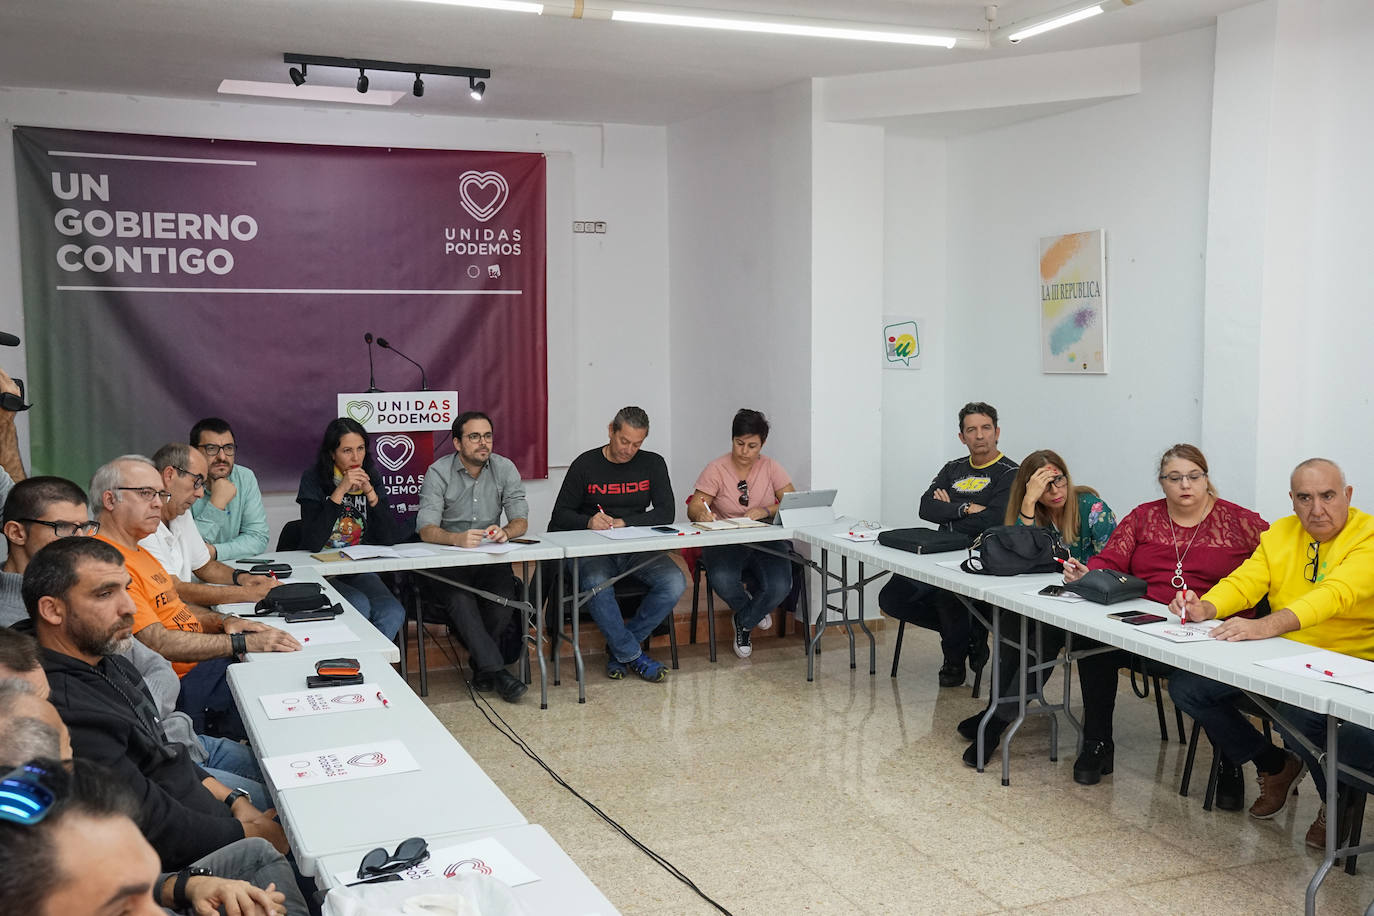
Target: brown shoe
[[1316, 834], [1273, 794]]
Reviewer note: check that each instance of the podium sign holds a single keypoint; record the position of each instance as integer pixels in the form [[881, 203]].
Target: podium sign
[[401, 425]]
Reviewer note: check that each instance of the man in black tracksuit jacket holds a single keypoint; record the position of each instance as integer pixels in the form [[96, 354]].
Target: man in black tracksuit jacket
[[968, 495]]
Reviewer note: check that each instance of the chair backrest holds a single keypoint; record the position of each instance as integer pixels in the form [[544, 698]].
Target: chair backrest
[[290, 537]]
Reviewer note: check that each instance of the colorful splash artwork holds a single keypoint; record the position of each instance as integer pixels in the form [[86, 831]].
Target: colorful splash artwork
[[1073, 303]]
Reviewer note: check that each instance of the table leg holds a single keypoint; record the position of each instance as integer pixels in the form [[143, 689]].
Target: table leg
[[844, 608], [1332, 815], [815, 631], [539, 635], [863, 624], [1020, 701], [711, 619], [576, 636], [995, 689]]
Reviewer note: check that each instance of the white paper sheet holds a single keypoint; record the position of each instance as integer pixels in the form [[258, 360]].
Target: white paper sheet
[[633, 532], [413, 550], [317, 632], [1174, 631], [862, 534], [950, 564], [1065, 595], [321, 701], [485, 856], [1325, 665], [369, 552], [485, 548], [338, 764]]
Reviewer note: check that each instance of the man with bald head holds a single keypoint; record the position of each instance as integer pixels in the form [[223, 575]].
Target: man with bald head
[[1316, 567]]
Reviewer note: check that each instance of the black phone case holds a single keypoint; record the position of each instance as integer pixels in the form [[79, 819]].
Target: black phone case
[[321, 680]]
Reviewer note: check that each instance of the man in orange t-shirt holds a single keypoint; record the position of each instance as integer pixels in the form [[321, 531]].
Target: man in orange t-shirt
[[199, 642]]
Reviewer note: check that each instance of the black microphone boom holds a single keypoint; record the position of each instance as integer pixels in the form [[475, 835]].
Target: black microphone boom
[[371, 376], [424, 384]]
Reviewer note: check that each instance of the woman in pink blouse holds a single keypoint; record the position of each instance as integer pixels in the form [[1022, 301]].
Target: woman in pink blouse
[[1190, 539], [744, 482]]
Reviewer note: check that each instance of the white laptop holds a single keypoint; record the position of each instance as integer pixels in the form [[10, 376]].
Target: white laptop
[[806, 507]]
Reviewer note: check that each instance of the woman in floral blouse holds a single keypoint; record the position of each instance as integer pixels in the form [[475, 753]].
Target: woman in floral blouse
[[1043, 494]]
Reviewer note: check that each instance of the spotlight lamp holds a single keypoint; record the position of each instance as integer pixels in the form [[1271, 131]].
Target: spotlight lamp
[[476, 75]]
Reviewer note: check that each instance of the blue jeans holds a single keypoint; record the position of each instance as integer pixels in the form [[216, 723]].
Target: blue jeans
[[234, 765], [1354, 745], [770, 576], [370, 597], [1214, 705], [664, 581]]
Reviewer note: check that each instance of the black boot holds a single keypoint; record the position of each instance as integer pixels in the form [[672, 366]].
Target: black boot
[[1096, 761]]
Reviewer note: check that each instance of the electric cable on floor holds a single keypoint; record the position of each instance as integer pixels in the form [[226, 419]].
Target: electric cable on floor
[[487, 710]]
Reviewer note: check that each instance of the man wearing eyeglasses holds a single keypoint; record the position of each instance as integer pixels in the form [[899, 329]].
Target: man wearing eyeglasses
[[177, 543], [199, 643], [38, 511], [230, 513], [1317, 569], [461, 503]]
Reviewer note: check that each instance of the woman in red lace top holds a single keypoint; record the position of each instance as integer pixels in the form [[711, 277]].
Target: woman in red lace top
[[1190, 539]]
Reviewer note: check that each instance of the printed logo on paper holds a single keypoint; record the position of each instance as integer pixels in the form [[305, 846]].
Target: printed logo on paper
[[372, 759], [476, 865], [482, 194], [394, 451]]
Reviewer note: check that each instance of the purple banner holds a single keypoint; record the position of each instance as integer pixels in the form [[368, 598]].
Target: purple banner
[[167, 279]]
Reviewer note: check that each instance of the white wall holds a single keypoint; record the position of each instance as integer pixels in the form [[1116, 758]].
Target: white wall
[[739, 205], [1288, 283], [918, 432], [608, 294], [1138, 168]]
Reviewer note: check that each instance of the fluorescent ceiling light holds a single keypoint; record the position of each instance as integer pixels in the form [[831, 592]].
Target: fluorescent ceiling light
[[781, 27], [310, 93], [509, 6], [1069, 19]]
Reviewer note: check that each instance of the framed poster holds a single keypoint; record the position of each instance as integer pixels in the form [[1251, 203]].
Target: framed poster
[[1073, 303]]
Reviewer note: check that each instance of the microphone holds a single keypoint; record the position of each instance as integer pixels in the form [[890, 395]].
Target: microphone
[[8, 340], [381, 342], [371, 376]]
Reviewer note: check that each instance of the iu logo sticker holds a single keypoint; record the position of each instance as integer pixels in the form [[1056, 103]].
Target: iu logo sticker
[[482, 194]]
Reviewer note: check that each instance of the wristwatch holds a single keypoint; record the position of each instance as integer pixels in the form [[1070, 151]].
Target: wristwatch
[[234, 796], [179, 901], [235, 576], [963, 509], [238, 645]]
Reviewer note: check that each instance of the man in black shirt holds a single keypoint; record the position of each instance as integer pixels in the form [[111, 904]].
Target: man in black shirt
[[614, 486], [968, 495]]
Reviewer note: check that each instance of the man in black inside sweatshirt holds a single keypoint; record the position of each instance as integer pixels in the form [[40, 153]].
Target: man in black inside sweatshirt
[[968, 495], [614, 486]]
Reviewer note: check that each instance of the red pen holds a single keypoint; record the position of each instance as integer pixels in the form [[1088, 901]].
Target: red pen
[[273, 574], [305, 639], [1327, 673], [385, 704]]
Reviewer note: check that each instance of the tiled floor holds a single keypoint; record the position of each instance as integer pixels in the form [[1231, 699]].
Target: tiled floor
[[847, 796]]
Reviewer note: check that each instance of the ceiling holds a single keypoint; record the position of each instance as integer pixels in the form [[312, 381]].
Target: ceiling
[[543, 68]]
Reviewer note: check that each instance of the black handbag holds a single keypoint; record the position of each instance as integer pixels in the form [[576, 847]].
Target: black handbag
[[1108, 586], [923, 540], [292, 596], [1010, 550]]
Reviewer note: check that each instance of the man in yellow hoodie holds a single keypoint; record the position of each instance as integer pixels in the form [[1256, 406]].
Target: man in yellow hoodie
[[1317, 569]]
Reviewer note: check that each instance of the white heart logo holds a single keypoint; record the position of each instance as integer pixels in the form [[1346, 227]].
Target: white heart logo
[[480, 182], [394, 451]]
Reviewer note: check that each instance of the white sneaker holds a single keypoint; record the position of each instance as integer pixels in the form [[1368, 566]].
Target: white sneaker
[[743, 648], [767, 622]]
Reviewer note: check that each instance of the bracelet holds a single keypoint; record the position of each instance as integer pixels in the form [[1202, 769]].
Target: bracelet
[[235, 577], [1031, 517], [238, 644]]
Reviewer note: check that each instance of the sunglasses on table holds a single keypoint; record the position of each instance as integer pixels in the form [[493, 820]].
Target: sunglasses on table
[[379, 863]]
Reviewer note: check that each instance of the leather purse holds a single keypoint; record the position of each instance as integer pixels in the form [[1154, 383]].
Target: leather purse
[[923, 540], [1011, 550], [1108, 586], [292, 596]]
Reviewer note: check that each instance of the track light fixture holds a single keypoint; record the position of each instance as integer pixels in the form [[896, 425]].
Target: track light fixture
[[476, 77]]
